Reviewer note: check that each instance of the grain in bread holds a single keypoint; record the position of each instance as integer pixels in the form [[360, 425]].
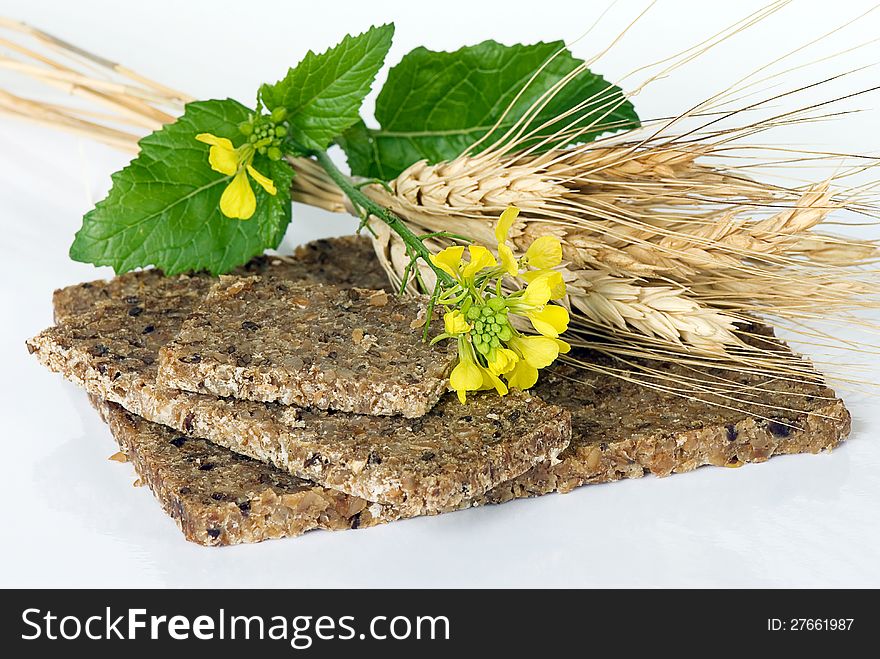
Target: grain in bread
[[621, 429], [219, 497], [346, 261], [308, 344], [433, 463]]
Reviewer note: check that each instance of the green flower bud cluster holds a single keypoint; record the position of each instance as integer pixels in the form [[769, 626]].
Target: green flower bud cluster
[[491, 326], [266, 132]]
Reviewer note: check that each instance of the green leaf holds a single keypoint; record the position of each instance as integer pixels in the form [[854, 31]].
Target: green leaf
[[360, 149], [323, 93], [164, 207], [436, 104]]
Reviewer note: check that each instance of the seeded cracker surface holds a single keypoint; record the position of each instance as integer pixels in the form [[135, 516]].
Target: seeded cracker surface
[[423, 465], [620, 430], [218, 497], [624, 430], [348, 261], [308, 344], [612, 439]]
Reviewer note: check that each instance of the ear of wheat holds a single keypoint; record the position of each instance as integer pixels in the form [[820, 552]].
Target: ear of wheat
[[673, 242]]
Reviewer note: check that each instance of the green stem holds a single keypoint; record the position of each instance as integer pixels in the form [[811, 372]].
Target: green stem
[[414, 244]]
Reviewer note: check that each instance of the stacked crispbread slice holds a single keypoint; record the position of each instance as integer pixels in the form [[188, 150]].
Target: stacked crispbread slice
[[296, 395]]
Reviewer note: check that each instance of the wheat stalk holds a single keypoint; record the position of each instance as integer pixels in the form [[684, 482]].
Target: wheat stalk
[[603, 271], [672, 242]]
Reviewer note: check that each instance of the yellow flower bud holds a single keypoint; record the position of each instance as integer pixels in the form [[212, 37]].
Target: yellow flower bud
[[455, 322], [502, 360]]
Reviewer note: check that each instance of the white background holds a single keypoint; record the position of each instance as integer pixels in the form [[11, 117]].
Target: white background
[[70, 517]]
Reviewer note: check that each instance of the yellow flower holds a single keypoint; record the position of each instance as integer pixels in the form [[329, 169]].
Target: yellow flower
[[545, 252], [523, 377], [489, 345], [534, 352], [238, 200], [539, 291], [547, 283], [551, 320], [501, 360], [222, 156], [481, 258], [502, 229], [538, 351], [469, 375], [547, 319], [554, 279], [466, 376], [492, 381], [449, 260], [455, 323], [508, 260], [505, 222]]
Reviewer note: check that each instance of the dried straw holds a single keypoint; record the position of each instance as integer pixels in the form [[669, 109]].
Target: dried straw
[[673, 241]]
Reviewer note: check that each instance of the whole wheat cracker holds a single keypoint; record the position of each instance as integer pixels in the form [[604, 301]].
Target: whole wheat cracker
[[308, 344], [432, 463], [622, 430], [346, 261], [219, 497]]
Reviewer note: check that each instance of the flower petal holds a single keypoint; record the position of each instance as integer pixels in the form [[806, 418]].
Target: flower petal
[[537, 351], [545, 252], [508, 261], [538, 292], [449, 260], [466, 376], [502, 360], [480, 258], [222, 156], [492, 381], [238, 199], [265, 182], [223, 160], [502, 229], [455, 323], [550, 321], [554, 278], [213, 140], [523, 376]]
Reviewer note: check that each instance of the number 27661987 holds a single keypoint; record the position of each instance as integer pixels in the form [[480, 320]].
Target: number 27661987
[[809, 624]]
